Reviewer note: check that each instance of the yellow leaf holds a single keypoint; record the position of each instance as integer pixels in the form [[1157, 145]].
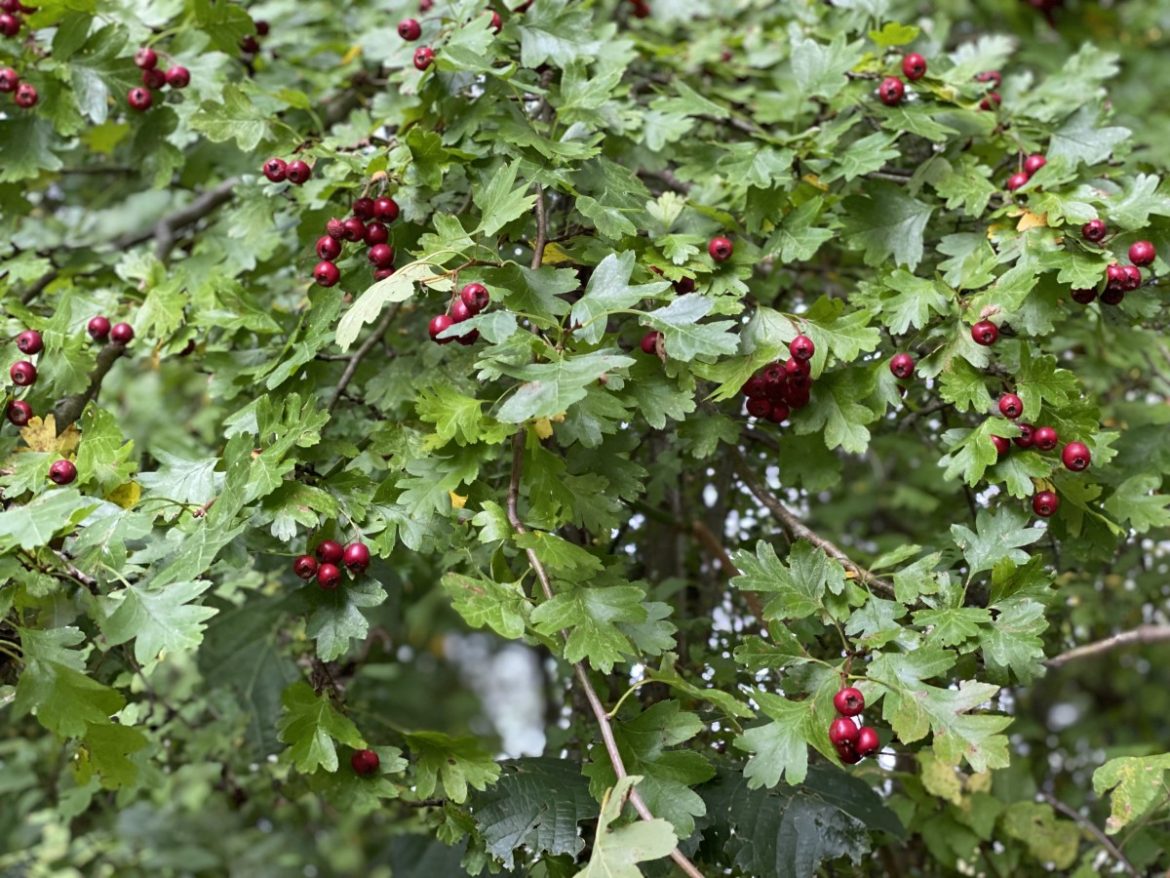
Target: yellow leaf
[[127, 495], [457, 501], [1032, 221], [352, 55], [543, 428], [41, 435], [814, 180], [554, 254]]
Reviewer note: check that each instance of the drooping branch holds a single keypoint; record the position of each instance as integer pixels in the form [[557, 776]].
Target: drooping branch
[[351, 367], [70, 408], [598, 709], [1141, 634], [796, 529]]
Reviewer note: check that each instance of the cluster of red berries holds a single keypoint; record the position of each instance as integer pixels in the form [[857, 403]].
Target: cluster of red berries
[[892, 90], [141, 97], [296, 172], [991, 100], [368, 226], [410, 29], [1119, 279], [330, 557], [24, 94], [10, 16], [472, 299], [250, 45], [779, 387], [852, 742], [1031, 165]]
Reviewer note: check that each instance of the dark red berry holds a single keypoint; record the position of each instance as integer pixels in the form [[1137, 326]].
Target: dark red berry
[[796, 367], [154, 78], [409, 29], [381, 255], [178, 77], [848, 754], [1015, 181], [1011, 406], [249, 45], [276, 170], [335, 228], [1002, 445], [146, 58], [1045, 438], [30, 342], [356, 557], [891, 91], [439, 323], [329, 552], [650, 342], [423, 57], [1045, 503], [842, 730], [139, 99], [328, 576], [914, 66], [984, 333], [798, 397], [1084, 297], [684, 285], [262, 27], [991, 102], [1115, 276], [26, 96], [386, 209], [758, 407], [364, 762], [326, 273], [23, 373], [1076, 456], [868, 741], [779, 412], [122, 333], [305, 567], [98, 328], [383, 273], [63, 472], [902, 365], [1026, 437], [469, 338], [755, 387], [459, 311], [1112, 296], [1033, 163], [355, 229], [720, 248], [1142, 253], [376, 233], [496, 23], [475, 296], [299, 172], [363, 208], [1133, 277], [9, 24], [802, 348], [1094, 230], [990, 76], [19, 412], [9, 79], [849, 701], [328, 248]]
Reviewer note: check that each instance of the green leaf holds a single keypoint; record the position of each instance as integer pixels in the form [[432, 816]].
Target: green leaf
[[836, 412], [818, 70], [1048, 838], [796, 239], [952, 626], [616, 852], [887, 223], [779, 748], [311, 728], [336, 618], [108, 748], [966, 387], [609, 290], [501, 606], [590, 615], [1135, 784], [158, 620], [53, 685], [685, 338], [998, 535], [35, 523], [499, 201], [1134, 501], [894, 34], [452, 763], [915, 299], [551, 388], [553, 32], [1080, 140], [368, 306], [1012, 642], [243, 116], [797, 588]]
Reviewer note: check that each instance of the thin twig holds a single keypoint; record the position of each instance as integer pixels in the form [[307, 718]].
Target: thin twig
[[1141, 634], [360, 353], [70, 408], [541, 229], [603, 723], [1105, 841]]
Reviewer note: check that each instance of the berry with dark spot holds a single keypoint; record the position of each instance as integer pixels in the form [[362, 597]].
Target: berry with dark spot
[[62, 472], [849, 701], [1045, 438], [1011, 406], [914, 66], [1076, 456], [902, 365], [305, 567], [1045, 504], [1094, 230], [720, 248], [23, 373], [30, 342], [891, 91], [984, 333], [1142, 253]]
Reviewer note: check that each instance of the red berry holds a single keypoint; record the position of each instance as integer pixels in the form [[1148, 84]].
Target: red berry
[[305, 567], [802, 348], [26, 96], [497, 23], [798, 397], [475, 296], [63, 472], [364, 762], [1045, 438], [423, 57], [796, 367], [1015, 181], [1094, 230], [720, 248], [356, 557], [249, 45], [1142, 253], [469, 338], [409, 29], [23, 373], [1084, 297], [842, 730], [1033, 163], [991, 102], [684, 285], [30, 342], [754, 387], [1002, 445], [329, 552], [779, 412], [376, 233], [262, 27], [276, 170], [849, 701], [328, 576], [146, 58], [154, 78], [299, 172], [914, 66], [1026, 437], [19, 412], [363, 208], [891, 91], [650, 342], [1115, 276], [383, 273], [1045, 504], [381, 255], [1112, 296], [355, 229], [990, 76], [98, 328], [1076, 456], [985, 333], [758, 407], [1011, 406], [9, 79], [386, 209], [848, 754], [1133, 277], [335, 228], [122, 333], [9, 24], [459, 311], [139, 99], [439, 323], [328, 248], [326, 273], [868, 741], [178, 77], [902, 365]]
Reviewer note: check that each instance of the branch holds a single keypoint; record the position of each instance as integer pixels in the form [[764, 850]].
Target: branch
[[595, 705], [797, 529], [1094, 830], [70, 408], [1141, 634], [360, 353], [541, 229]]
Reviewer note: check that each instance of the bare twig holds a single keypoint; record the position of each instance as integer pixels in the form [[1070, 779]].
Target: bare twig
[[603, 723], [360, 354], [1094, 830], [39, 285], [70, 408], [1141, 634], [541, 229]]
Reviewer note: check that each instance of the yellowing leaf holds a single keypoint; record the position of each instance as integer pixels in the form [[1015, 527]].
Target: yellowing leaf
[[1032, 221], [543, 427], [127, 495], [814, 180], [457, 501], [41, 435], [554, 254], [352, 55]]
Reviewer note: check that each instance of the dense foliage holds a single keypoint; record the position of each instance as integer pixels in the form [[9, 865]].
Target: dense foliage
[[609, 602]]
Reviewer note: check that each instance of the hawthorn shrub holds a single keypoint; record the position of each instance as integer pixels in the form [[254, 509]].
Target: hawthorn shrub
[[594, 438]]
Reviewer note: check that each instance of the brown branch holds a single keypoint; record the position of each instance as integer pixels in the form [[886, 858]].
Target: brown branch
[[541, 229], [797, 529], [39, 285], [599, 712], [1094, 830], [70, 408], [1141, 634], [360, 354]]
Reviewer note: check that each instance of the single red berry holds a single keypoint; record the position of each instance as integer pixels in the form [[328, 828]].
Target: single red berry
[[154, 78], [849, 701], [249, 45], [991, 102], [1015, 181], [328, 248], [9, 79], [848, 754], [891, 91], [122, 333], [139, 99], [650, 342], [641, 9], [902, 365], [1076, 456], [1045, 438], [426, 5], [386, 209], [868, 741], [497, 23], [684, 285], [802, 348], [98, 328], [779, 412], [797, 397], [439, 323], [262, 27], [356, 557], [26, 96], [1142, 253], [1094, 230], [914, 66], [459, 311], [1026, 437], [23, 373], [774, 375], [1084, 297], [326, 273], [299, 172], [758, 407], [990, 76], [1112, 296], [409, 29], [720, 248], [328, 576], [305, 567], [364, 762], [1133, 277], [842, 730], [30, 342], [423, 57], [376, 233], [1115, 276], [178, 77], [9, 24], [796, 367], [985, 333], [146, 58], [1033, 163], [381, 255], [383, 273], [329, 552], [63, 472], [1045, 504], [1002, 445], [363, 208], [475, 296], [276, 170], [468, 338], [1011, 406], [335, 228], [754, 387], [19, 412], [355, 229]]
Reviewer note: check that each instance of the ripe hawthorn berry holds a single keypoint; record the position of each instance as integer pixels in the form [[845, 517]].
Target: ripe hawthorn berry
[[139, 99], [335, 228], [122, 333], [262, 27], [1045, 438], [650, 341], [1011, 406], [26, 96], [991, 101], [1002, 445], [9, 24], [1084, 297], [848, 754], [299, 172], [802, 348], [1026, 437], [329, 552], [914, 66], [363, 208], [62, 472], [475, 296], [754, 387], [354, 229], [30, 342], [720, 248], [328, 248], [439, 323], [386, 209], [779, 412], [356, 557], [891, 91], [178, 77], [459, 311], [364, 763], [98, 328], [305, 567], [276, 170], [1142, 253], [1033, 163], [1094, 230], [984, 333], [1112, 296], [468, 338], [794, 366], [19, 412], [376, 233], [249, 45], [424, 56], [684, 285], [154, 78], [383, 273], [496, 23], [842, 730], [1015, 181], [1045, 503], [868, 741], [409, 29], [758, 407], [1115, 276], [381, 255], [1076, 456], [328, 576], [902, 365], [146, 58], [23, 373], [1133, 277], [326, 273], [9, 80], [990, 76], [849, 701]]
